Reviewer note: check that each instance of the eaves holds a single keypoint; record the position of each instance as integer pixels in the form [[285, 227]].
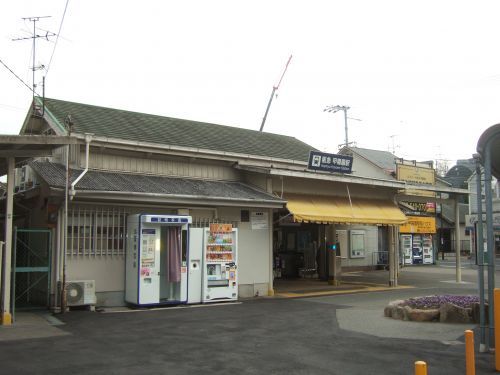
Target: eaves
[[141, 197], [395, 184]]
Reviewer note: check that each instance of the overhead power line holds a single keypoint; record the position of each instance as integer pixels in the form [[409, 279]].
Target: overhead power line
[[15, 75], [57, 38]]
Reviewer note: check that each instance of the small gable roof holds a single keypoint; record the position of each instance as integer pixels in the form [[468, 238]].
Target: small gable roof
[[382, 159], [141, 127]]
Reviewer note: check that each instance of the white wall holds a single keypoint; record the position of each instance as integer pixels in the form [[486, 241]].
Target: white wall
[[108, 272], [364, 168], [159, 166], [371, 246], [253, 254]]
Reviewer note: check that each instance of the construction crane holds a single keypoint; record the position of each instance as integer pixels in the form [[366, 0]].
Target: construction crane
[[275, 88]]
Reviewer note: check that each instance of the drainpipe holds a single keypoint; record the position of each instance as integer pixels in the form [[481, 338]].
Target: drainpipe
[[88, 139]]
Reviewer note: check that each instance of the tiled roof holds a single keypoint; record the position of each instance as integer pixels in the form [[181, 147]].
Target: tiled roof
[[55, 175], [133, 126]]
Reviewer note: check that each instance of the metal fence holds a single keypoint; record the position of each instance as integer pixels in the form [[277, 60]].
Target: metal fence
[[32, 256]]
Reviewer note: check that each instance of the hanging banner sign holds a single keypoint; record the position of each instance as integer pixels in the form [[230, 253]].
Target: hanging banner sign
[[321, 161]]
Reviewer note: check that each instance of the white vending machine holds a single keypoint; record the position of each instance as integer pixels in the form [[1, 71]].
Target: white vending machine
[[156, 259], [428, 249], [220, 273], [406, 246]]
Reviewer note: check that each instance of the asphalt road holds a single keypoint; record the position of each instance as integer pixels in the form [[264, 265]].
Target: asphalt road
[[343, 334]]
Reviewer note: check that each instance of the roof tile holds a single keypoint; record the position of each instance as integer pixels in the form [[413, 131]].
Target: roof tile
[[134, 126]]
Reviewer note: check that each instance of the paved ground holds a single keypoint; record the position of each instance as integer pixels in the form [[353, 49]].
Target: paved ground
[[339, 334]]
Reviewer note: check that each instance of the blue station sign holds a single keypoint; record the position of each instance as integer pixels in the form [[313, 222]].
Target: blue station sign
[[321, 161]]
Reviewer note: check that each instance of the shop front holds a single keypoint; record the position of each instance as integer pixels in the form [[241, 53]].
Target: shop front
[[317, 235], [416, 240]]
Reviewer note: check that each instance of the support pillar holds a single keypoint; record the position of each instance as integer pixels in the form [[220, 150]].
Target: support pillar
[[270, 291], [490, 244], [457, 242], [392, 257], [6, 317], [480, 260]]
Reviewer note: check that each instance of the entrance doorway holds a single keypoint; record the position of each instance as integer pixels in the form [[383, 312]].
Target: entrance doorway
[[31, 269], [299, 250]]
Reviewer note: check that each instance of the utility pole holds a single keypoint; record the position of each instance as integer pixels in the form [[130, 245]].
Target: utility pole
[[34, 37], [336, 108]]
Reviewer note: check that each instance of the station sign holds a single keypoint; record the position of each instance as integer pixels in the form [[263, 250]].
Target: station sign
[[321, 161]]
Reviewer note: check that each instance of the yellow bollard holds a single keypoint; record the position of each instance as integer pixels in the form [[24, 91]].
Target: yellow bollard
[[496, 299], [470, 360], [420, 368]]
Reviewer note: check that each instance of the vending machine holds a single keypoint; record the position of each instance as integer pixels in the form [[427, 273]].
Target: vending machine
[[220, 273], [156, 259], [427, 249], [417, 249], [406, 246]]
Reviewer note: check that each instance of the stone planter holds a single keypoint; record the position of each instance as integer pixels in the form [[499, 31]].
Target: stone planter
[[446, 313]]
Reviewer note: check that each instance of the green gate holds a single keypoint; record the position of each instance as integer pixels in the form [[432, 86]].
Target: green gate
[[31, 270]]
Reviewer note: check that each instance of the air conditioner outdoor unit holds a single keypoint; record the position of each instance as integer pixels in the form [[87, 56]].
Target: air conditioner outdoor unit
[[80, 293]]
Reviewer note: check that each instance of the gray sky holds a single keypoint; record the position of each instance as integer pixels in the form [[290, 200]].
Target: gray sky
[[426, 72]]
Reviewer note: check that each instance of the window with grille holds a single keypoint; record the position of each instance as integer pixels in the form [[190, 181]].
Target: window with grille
[[96, 232]]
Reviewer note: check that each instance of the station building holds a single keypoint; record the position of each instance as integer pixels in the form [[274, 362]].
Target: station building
[[289, 215]]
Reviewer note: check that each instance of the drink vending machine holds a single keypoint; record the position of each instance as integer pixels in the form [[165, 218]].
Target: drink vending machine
[[220, 281], [417, 248], [428, 249], [406, 246], [168, 262]]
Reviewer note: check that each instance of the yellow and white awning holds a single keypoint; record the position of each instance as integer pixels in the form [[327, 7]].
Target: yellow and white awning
[[330, 209]]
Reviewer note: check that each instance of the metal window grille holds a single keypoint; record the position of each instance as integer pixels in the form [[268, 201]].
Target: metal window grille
[[96, 231]]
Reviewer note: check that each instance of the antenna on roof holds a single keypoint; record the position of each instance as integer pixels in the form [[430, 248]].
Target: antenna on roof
[[34, 68], [394, 145], [275, 88], [35, 36]]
